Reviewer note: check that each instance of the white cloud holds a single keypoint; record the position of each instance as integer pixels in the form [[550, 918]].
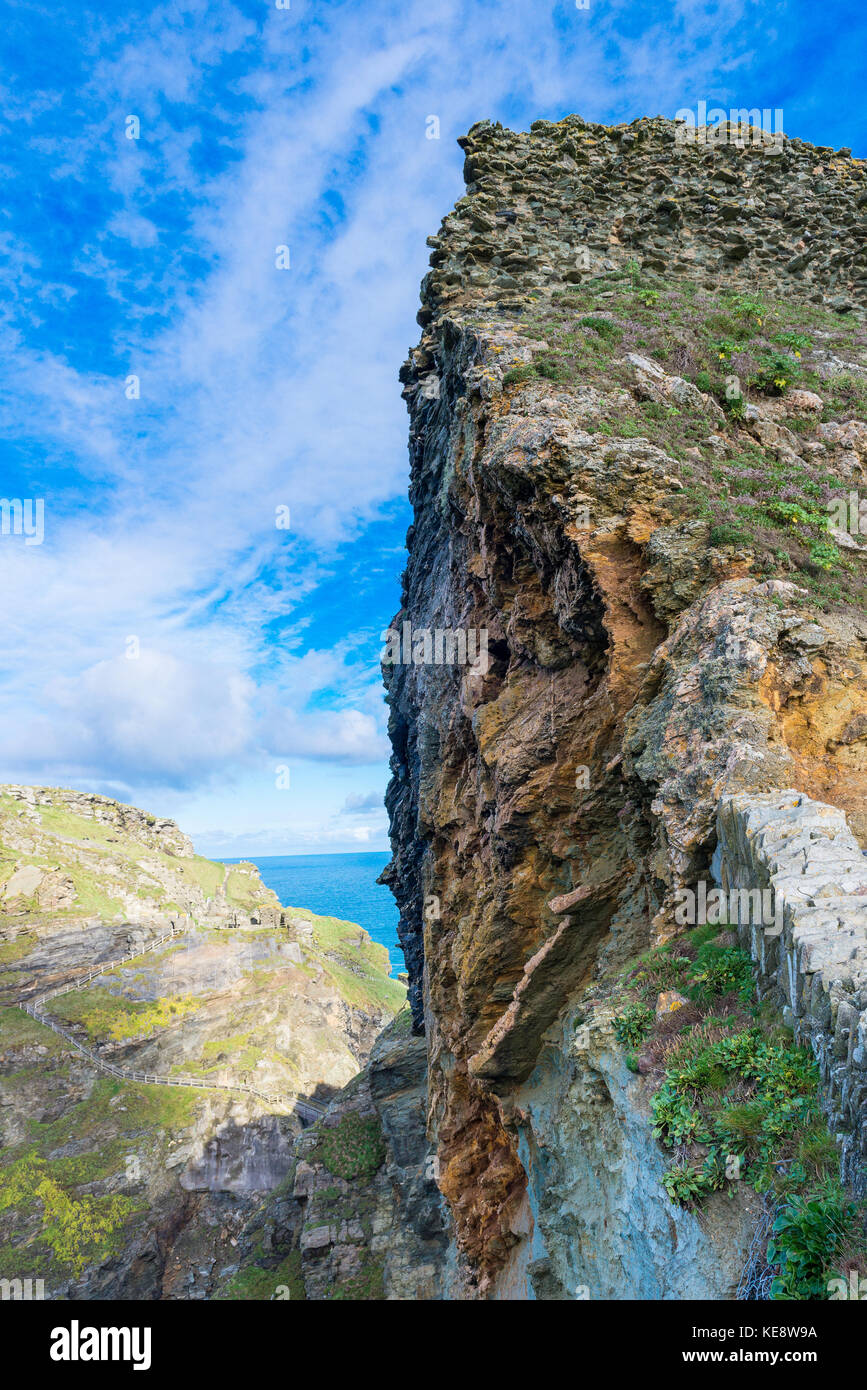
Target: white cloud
[[338, 736], [258, 387]]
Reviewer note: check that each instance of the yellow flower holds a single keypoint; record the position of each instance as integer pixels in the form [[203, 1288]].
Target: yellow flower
[[759, 322], [797, 354], [722, 356]]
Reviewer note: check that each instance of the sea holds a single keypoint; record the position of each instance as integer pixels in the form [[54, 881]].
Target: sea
[[337, 885]]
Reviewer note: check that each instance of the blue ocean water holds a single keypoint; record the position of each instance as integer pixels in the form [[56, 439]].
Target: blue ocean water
[[337, 885]]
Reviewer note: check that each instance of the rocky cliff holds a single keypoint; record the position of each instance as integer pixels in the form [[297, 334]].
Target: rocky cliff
[[177, 969], [635, 588]]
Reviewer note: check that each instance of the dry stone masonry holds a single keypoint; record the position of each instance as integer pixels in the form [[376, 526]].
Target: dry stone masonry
[[572, 198], [812, 960]]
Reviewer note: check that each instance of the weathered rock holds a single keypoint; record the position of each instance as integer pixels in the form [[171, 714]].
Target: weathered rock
[[640, 667]]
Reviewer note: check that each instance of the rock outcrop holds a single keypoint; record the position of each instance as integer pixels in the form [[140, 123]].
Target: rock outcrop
[[633, 408], [70, 858], [111, 1188]]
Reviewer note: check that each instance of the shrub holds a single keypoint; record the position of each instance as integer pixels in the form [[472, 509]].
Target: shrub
[[603, 327], [795, 514], [518, 374], [824, 554], [633, 1025], [720, 970], [685, 1184], [776, 373], [803, 1243], [748, 308], [354, 1148], [727, 534], [796, 342], [552, 368]]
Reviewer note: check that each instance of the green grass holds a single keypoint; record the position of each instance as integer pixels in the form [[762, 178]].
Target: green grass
[[242, 889], [205, 873], [106, 1015], [281, 1282], [147, 1108], [771, 345], [736, 1100], [353, 1149], [21, 946], [365, 988], [237, 1053], [18, 1029], [356, 964], [401, 1024], [366, 1285]]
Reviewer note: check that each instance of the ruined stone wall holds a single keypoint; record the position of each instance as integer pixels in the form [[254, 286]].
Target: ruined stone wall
[[571, 198], [811, 959]]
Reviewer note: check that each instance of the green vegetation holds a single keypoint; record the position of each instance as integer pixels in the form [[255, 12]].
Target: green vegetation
[[356, 964], [243, 888], [807, 1235], [79, 1230], [365, 988], [736, 1100], [18, 1029], [633, 1025], [54, 1173], [740, 349], [605, 328], [402, 1021], [85, 1129], [17, 949], [106, 1015], [354, 1148], [205, 873], [237, 1052], [367, 1285], [282, 1281], [740, 1094]]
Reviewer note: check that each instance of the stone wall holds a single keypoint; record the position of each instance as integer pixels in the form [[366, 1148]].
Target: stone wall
[[811, 959], [571, 198]]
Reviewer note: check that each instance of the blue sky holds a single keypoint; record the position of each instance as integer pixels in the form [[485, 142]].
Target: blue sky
[[265, 388]]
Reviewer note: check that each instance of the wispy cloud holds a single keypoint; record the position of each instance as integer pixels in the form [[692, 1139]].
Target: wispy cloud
[[261, 388]]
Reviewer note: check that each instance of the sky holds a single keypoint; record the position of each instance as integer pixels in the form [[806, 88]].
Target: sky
[[213, 426]]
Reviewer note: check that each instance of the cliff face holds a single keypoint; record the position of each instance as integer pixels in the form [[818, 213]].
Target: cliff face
[[638, 396], [113, 1186]]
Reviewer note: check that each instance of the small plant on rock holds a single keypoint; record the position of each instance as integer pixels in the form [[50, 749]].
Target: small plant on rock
[[803, 1244], [632, 1026]]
